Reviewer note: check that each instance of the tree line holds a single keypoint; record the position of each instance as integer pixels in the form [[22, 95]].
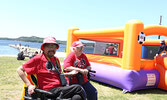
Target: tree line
[[31, 39]]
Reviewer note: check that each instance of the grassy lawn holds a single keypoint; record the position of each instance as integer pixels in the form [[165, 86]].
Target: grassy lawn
[[11, 85]]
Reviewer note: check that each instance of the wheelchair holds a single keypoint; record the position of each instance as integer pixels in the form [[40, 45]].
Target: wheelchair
[[39, 93], [42, 94]]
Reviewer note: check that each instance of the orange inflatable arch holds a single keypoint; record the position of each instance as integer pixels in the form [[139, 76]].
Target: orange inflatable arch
[[129, 53], [127, 37]]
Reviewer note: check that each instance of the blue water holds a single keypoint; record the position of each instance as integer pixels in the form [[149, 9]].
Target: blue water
[[5, 49]]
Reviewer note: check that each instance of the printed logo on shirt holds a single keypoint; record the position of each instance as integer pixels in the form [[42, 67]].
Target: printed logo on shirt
[[50, 67], [79, 63]]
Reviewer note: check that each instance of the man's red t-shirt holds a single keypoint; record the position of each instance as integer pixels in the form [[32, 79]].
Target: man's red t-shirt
[[111, 49], [47, 79], [80, 62]]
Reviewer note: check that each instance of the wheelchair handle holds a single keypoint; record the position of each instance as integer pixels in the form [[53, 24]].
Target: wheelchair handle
[[90, 71], [93, 71]]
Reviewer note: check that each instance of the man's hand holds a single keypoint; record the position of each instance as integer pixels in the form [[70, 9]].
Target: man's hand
[[31, 89], [73, 72], [84, 71]]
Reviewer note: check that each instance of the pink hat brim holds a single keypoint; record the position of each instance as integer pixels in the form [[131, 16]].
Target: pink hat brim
[[49, 43]]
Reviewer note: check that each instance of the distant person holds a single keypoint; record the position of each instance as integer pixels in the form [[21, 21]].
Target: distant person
[[20, 56], [19, 44], [78, 63], [36, 53], [111, 49], [162, 48], [106, 51]]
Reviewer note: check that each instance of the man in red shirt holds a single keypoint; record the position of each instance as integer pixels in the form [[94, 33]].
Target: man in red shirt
[[47, 68], [111, 49], [78, 64], [162, 48]]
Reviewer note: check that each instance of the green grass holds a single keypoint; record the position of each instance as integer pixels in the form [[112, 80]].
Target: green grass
[[11, 85]]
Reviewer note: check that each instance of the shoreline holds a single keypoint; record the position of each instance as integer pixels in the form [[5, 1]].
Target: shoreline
[[58, 54]]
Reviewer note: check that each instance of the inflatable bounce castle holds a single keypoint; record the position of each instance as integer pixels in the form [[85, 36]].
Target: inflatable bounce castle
[[130, 64]]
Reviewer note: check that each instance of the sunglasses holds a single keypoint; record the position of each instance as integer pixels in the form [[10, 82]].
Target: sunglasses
[[51, 46]]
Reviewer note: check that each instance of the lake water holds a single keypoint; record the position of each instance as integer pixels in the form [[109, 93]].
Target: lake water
[[5, 49]]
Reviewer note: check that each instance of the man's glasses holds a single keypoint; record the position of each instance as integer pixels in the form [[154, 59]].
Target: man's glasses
[[79, 48], [51, 46]]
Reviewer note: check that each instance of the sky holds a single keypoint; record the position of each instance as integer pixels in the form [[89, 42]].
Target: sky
[[54, 17]]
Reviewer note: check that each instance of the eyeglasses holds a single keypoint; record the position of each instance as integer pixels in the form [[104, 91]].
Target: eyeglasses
[[51, 46], [79, 48]]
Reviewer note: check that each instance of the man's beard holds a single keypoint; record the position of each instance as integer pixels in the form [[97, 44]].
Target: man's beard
[[51, 53]]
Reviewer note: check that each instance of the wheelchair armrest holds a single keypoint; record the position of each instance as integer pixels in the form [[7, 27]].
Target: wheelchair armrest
[[44, 92], [27, 98]]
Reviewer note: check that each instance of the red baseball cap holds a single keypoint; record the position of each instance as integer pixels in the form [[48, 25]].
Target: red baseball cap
[[49, 40], [77, 44]]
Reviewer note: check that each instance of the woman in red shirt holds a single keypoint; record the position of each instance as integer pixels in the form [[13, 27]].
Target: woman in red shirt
[[78, 64]]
